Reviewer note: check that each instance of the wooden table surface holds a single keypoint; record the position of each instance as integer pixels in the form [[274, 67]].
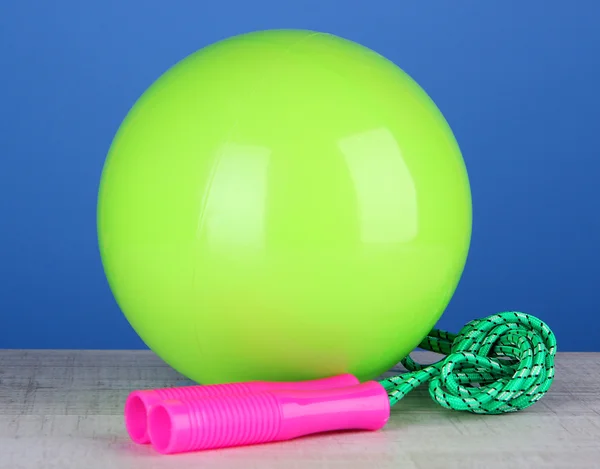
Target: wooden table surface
[[63, 409]]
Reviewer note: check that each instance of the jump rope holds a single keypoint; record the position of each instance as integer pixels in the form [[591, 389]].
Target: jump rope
[[502, 363]]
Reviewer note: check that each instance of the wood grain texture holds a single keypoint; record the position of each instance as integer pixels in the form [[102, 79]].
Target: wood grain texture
[[63, 409]]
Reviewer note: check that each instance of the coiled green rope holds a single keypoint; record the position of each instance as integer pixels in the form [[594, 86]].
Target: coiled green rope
[[502, 363]]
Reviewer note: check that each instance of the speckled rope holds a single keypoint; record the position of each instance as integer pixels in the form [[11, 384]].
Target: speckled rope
[[502, 363]]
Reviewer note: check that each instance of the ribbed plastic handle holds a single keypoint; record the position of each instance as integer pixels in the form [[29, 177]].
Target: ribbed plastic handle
[[139, 402], [180, 425]]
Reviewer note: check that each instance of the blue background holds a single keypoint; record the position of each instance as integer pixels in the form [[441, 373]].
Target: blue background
[[517, 81]]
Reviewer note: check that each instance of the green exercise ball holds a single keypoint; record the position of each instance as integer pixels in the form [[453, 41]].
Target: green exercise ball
[[283, 205]]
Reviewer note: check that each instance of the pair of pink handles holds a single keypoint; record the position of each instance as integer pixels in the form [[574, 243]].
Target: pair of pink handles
[[194, 418]]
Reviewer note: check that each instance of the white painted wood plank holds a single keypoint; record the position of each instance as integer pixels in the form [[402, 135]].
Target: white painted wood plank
[[63, 409]]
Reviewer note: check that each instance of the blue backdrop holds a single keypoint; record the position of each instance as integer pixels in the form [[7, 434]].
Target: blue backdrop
[[517, 80]]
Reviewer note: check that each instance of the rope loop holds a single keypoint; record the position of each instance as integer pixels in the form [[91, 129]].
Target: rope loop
[[502, 363]]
